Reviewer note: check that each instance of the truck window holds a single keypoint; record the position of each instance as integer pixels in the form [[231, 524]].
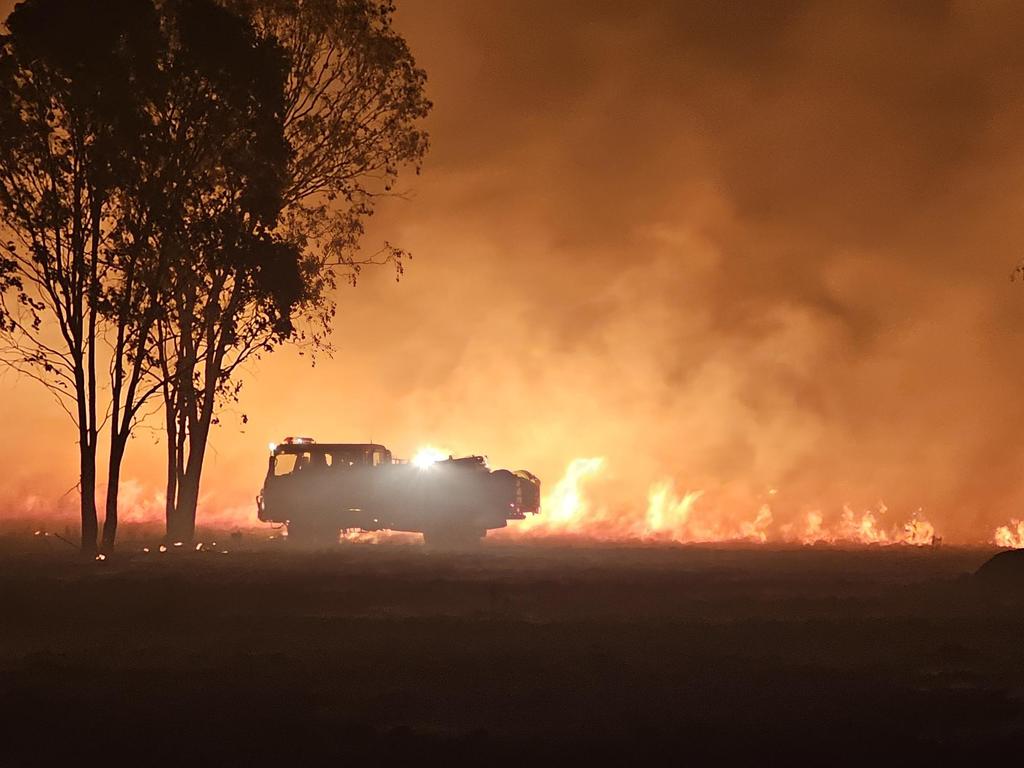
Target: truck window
[[284, 464], [291, 463]]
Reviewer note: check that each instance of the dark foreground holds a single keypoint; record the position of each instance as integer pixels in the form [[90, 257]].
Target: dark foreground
[[391, 653]]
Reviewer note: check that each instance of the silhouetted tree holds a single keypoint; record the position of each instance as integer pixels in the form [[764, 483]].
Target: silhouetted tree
[[182, 183], [208, 205], [236, 280], [72, 79], [9, 281], [353, 99], [141, 175]]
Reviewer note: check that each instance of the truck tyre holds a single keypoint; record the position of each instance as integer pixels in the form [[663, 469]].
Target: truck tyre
[[312, 536]]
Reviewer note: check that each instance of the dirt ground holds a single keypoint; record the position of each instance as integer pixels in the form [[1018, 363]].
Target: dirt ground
[[393, 653]]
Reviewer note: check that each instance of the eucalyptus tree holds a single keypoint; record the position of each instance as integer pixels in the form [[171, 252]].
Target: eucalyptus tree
[[142, 160], [73, 83], [353, 101], [201, 220]]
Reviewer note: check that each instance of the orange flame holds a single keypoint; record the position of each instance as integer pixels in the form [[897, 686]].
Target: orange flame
[[672, 518], [680, 518], [1011, 535]]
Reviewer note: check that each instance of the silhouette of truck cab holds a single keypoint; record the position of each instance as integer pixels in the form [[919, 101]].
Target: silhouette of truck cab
[[320, 489]]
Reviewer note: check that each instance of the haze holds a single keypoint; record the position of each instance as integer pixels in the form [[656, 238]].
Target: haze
[[734, 246]]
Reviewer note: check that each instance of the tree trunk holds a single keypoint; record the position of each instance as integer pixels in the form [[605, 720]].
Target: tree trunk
[[90, 525], [117, 449], [171, 494], [184, 528], [183, 524]]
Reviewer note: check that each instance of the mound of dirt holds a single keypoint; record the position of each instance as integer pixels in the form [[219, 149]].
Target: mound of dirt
[[1005, 569]]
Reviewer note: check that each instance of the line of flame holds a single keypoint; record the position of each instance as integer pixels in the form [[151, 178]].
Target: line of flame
[[671, 516]]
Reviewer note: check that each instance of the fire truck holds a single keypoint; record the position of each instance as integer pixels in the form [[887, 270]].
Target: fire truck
[[321, 489]]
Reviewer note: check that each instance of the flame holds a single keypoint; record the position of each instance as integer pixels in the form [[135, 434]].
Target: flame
[[567, 502], [668, 516], [918, 532], [674, 517], [566, 508], [815, 530], [1011, 535], [863, 528]]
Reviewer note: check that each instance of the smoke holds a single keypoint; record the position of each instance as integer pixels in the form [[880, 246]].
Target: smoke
[[728, 247], [736, 248]]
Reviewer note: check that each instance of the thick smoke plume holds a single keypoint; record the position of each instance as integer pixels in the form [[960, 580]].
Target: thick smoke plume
[[756, 251]]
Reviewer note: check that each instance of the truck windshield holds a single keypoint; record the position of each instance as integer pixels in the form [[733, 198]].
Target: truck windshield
[[293, 463]]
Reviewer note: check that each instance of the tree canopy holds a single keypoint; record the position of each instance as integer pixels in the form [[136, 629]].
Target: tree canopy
[[353, 101], [182, 184]]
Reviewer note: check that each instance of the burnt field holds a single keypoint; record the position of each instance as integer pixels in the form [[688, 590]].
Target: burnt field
[[548, 653]]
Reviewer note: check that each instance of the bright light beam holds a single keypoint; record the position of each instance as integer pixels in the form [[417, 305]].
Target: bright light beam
[[427, 456]]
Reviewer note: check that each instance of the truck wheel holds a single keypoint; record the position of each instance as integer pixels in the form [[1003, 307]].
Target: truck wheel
[[453, 537], [312, 536]]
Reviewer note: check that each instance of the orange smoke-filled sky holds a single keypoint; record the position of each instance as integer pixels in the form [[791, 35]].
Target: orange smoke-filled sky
[[736, 245]]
